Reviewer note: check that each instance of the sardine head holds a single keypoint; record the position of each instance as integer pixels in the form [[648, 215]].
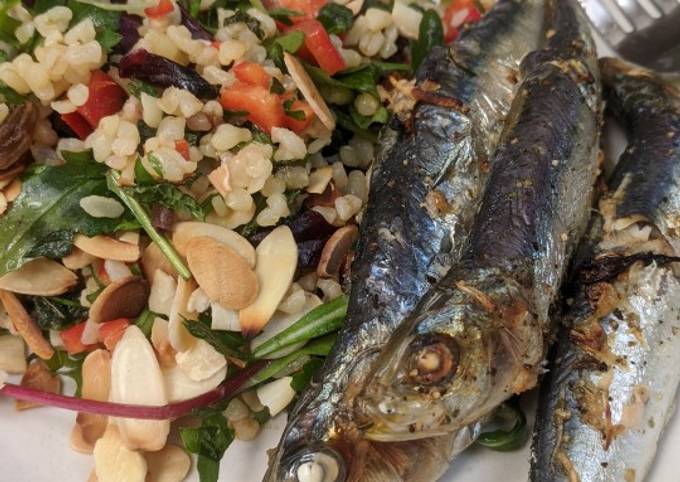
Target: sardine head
[[456, 363]]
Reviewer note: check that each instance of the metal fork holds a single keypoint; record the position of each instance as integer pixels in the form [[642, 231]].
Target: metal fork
[[646, 32]]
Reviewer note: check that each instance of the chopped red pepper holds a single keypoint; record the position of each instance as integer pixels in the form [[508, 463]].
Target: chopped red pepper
[[105, 98], [457, 14], [319, 44], [264, 108], [163, 8], [295, 125], [182, 146], [78, 124], [71, 339], [110, 332], [253, 74]]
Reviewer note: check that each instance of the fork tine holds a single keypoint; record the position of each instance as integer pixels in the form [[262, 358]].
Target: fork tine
[[635, 14], [603, 21]]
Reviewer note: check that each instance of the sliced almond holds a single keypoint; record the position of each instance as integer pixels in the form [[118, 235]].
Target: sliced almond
[[25, 326], [222, 273], [136, 378], [12, 354], [171, 464], [180, 338], [319, 179], [311, 94], [179, 386], [38, 376], [160, 340], [276, 263], [152, 260], [163, 288], [105, 247], [90, 427], [335, 251], [78, 259], [201, 361], [39, 277], [276, 395], [186, 231], [114, 462], [124, 298]]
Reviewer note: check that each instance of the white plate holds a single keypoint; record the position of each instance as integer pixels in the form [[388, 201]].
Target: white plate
[[34, 447]]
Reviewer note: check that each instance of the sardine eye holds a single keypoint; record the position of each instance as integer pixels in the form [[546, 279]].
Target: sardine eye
[[320, 465], [433, 359]]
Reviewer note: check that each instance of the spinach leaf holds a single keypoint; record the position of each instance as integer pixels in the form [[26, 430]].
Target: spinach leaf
[[335, 18], [68, 365], [209, 441], [302, 378], [431, 33], [55, 313], [169, 196], [47, 214], [106, 22], [136, 87], [8, 24], [295, 114], [364, 122], [289, 42], [346, 122], [362, 79], [283, 15], [251, 22], [9, 96], [225, 342]]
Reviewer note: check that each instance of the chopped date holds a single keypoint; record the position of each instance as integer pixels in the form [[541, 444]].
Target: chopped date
[[306, 226], [193, 25], [128, 25], [163, 72]]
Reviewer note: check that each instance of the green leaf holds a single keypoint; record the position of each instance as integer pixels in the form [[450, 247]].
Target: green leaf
[[362, 79], [295, 114], [169, 196], [302, 379], [142, 176], [318, 347], [106, 22], [346, 122], [55, 313], [209, 441], [68, 365], [283, 15], [136, 87], [335, 18], [9, 96], [8, 24], [381, 116], [502, 440], [222, 341], [431, 33], [155, 163], [320, 321], [251, 22], [290, 42], [41, 6], [47, 213], [144, 220], [145, 322], [262, 416]]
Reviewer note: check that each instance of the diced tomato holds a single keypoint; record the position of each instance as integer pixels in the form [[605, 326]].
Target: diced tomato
[[110, 332], [78, 124], [264, 108], [71, 339], [457, 14], [182, 146], [295, 125], [253, 74], [100, 271], [319, 44], [163, 8], [105, 98]]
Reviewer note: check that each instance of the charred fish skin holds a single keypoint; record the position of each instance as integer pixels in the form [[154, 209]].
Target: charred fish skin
[[613, 379], [424, 191], [481, 334]]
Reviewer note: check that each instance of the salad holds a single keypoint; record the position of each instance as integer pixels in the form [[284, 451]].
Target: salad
[[181, 188]]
